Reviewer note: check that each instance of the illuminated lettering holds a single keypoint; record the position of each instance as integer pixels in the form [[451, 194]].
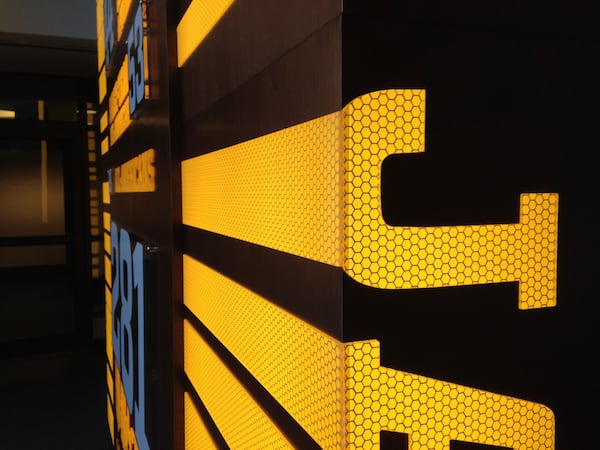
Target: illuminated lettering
[[128, 328], [135, 175]]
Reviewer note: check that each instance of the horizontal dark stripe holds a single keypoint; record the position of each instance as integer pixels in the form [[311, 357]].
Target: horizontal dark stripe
[[300, 85], [22, 241], [282, 419], [209, 423], [308, 289]]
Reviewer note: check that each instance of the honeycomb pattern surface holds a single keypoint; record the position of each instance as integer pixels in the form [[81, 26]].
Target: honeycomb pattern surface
[[241, 421], [197, 436], [433, 412], [283, 190], [382, 123], [299, 365]]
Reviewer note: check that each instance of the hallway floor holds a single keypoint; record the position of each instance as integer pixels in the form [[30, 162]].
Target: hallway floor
[[54, 401]]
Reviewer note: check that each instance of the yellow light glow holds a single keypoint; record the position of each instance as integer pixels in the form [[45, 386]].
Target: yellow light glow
[[124, 429], [313, 190], [196, 434], [110, 417], [241, 421], [118, 103], [199, 19], [123, 8], [434, 412], [136, 175], [343, 399], [7, 114], [283, 190], [300, 366], [102, 85], [101, 51]]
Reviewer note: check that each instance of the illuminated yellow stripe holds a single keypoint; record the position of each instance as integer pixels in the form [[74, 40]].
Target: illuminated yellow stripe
[[110, 384], [120, 91], [108, 324], [300, 366], [240, 420], [283, 190], [103, 125], [108, 272], [348, 399], [107, 246], [123, 7], [106, 221], [110, 417], [313, 190], [125, 430], [197, 22], [100, 32], [102, 87], [196, 435], [121, 123]]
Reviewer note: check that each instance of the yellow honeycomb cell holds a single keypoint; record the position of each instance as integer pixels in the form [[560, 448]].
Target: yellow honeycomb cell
[[282, 190], [197, 436]]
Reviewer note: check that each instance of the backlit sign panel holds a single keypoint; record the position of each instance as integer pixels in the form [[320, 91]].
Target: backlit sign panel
[[127, 337]]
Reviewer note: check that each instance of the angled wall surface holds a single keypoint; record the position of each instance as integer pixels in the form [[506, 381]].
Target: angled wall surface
[[346, 225]]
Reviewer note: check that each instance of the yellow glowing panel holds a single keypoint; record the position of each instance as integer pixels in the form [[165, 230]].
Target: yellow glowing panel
[[197, 436], [106, 221], [434, 412], [102, 88], [313, 190], [104, 124], [110, 417], [300, 366], [197, 22], [121, 123], [379, 124], [108, 323], [107, 245], [283, 190], [125, 430], [123, 7], [100, 32], [120, 91], [346, 401], [241, 421], [108, 271], [106, 198], [136, 175]]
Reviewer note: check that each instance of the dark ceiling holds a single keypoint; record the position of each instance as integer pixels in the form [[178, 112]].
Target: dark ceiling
[[52, 55]]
